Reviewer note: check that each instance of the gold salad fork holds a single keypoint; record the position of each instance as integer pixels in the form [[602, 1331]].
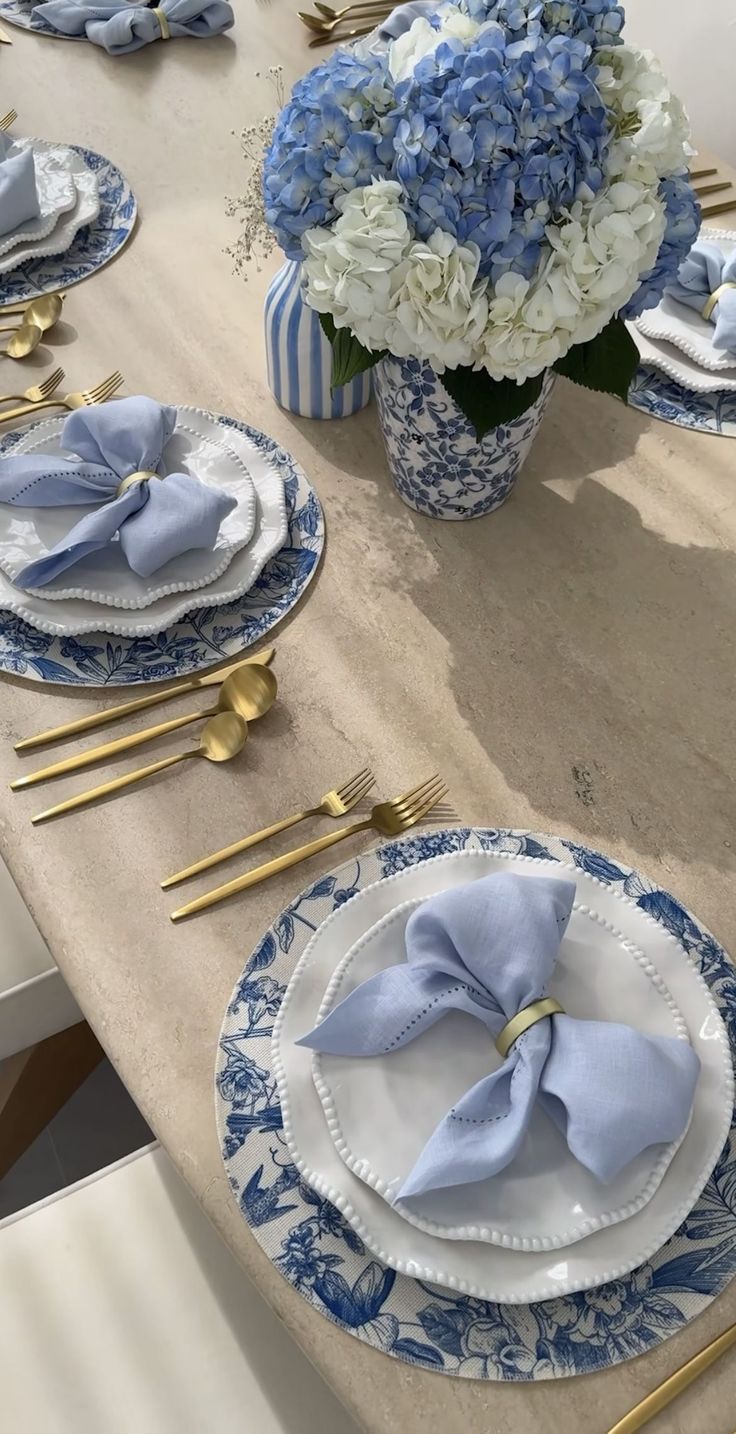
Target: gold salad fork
[[336, 803], [38, 392], [8, 119], [390, 819], [98, 394]]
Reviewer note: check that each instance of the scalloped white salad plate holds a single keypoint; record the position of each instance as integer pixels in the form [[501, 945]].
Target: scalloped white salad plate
[[676, 364], [56, 194], [381, 1111], [500, 1272], [83, 211], [674, 323], [71, 617], [27, 534]]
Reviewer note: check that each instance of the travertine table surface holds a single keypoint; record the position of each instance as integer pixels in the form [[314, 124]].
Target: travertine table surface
[[567, 663]]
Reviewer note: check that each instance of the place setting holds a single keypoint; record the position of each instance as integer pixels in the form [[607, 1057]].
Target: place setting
[[65, 211], [475, 1101], [124, 27], [141, 541], [687, 343]]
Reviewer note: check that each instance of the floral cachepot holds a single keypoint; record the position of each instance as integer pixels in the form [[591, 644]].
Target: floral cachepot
[[299, 358], [437, 464]]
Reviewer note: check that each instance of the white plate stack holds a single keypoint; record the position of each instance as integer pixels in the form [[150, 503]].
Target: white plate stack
[[101, 593], [68, 200], [679, 342], [544, 1226]]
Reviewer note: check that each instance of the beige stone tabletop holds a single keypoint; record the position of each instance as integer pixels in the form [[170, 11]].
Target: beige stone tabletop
[[567, 663]]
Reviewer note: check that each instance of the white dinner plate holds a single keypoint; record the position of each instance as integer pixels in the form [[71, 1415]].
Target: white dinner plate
[[75, 616], [676, 364], [490, 1271], [56, 193], [382, 1111], [27, 534], [84, 211], [685, 328]]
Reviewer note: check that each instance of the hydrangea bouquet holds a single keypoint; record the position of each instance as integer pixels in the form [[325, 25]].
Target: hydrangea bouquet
[[493, 191]]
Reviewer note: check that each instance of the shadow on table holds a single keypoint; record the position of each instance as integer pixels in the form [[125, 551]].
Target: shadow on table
[[587, 649]]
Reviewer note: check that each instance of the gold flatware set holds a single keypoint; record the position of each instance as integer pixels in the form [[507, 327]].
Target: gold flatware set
[[98, 394], [36, 318], [706, 181], [362, 18]]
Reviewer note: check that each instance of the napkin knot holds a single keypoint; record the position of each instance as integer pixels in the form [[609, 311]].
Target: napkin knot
[[524, 1020], [716, 296], [140, 477], [163, 23]]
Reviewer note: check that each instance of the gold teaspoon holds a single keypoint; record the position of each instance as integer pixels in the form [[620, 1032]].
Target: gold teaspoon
[[42, 312], [224, 736], [25, 339]]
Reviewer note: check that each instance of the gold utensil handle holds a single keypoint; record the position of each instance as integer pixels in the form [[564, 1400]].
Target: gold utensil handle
[[669, 1390], [108, 749], [116, 785], [235, 848], [269, 868], [27, 408], [138, 704]]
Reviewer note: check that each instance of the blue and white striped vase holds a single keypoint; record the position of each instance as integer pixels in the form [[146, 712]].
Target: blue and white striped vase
[[299, 357]]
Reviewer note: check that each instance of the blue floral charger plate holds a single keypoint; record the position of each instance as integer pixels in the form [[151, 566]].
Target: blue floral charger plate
[[318, 1252], [202, 638], [653, 392], [94, 246]]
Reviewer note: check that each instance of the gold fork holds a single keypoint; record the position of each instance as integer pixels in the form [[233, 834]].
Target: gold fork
[[98, 394], [336, 803], [390, 819], [324, 25], [8, 119], [38, 391], [330, 39]]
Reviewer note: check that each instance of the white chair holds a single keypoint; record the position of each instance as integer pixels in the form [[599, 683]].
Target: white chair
[[122, 1312], [46, 1048]]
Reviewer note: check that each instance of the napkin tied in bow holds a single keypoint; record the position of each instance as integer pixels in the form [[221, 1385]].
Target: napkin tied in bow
[[701, 274], [122, 28], [18, 193], [489, 948], [154, 521]]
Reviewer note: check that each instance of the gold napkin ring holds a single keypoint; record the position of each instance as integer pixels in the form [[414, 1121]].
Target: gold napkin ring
[[139, 477], [711, 302], [523, 1019], [163, 23]]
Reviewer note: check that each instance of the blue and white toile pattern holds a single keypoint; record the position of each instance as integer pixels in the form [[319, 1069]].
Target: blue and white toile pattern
[[204, 637], [94, 246], [655, 393], [308, 1240]]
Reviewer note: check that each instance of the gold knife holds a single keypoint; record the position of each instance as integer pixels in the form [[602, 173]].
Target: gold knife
[[139, 704], [669, 1390]]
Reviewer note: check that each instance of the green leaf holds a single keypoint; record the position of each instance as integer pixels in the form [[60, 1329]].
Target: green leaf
[[349, 357], [607, 363], [487, 402]]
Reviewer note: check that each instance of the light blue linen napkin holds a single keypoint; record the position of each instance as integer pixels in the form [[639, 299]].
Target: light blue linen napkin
[[402, 18], [699, 275], [18, 194], [154, 521], [489, 948], [122, 28]]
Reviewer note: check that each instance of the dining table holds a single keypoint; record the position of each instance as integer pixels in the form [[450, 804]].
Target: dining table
[[567, 665]]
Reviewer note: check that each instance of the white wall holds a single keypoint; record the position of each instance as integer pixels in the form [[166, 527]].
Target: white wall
[[696, 43]]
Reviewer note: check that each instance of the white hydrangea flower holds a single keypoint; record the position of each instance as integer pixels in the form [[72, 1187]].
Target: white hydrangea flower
[[422, 39], [351, 269], [652, 126], [439, 306]]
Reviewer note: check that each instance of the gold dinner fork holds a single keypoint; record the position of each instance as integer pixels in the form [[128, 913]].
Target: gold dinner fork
[[38, 392], [324, 25], [390, 819], [98, 394], [336, 803], [327, 37], [8, 119]]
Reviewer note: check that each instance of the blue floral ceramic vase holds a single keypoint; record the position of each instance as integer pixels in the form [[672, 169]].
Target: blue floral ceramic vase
[[299, 358], [437, 464]]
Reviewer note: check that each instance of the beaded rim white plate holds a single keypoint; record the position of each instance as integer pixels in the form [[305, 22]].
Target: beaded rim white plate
[[84, 211], [544, 1182], [56, 192], [676, 365], [487, 1271], [214, 461], [676, 324], [75, 617]]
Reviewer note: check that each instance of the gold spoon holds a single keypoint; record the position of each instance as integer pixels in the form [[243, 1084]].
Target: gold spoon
[[325, 27], [46, 299], [331, 14], [325, 37], [42, 312], [224, 736], [25, 339], [249, 691]]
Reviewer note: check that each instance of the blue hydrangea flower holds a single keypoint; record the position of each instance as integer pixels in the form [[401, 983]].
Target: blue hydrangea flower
[[683, 224]]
